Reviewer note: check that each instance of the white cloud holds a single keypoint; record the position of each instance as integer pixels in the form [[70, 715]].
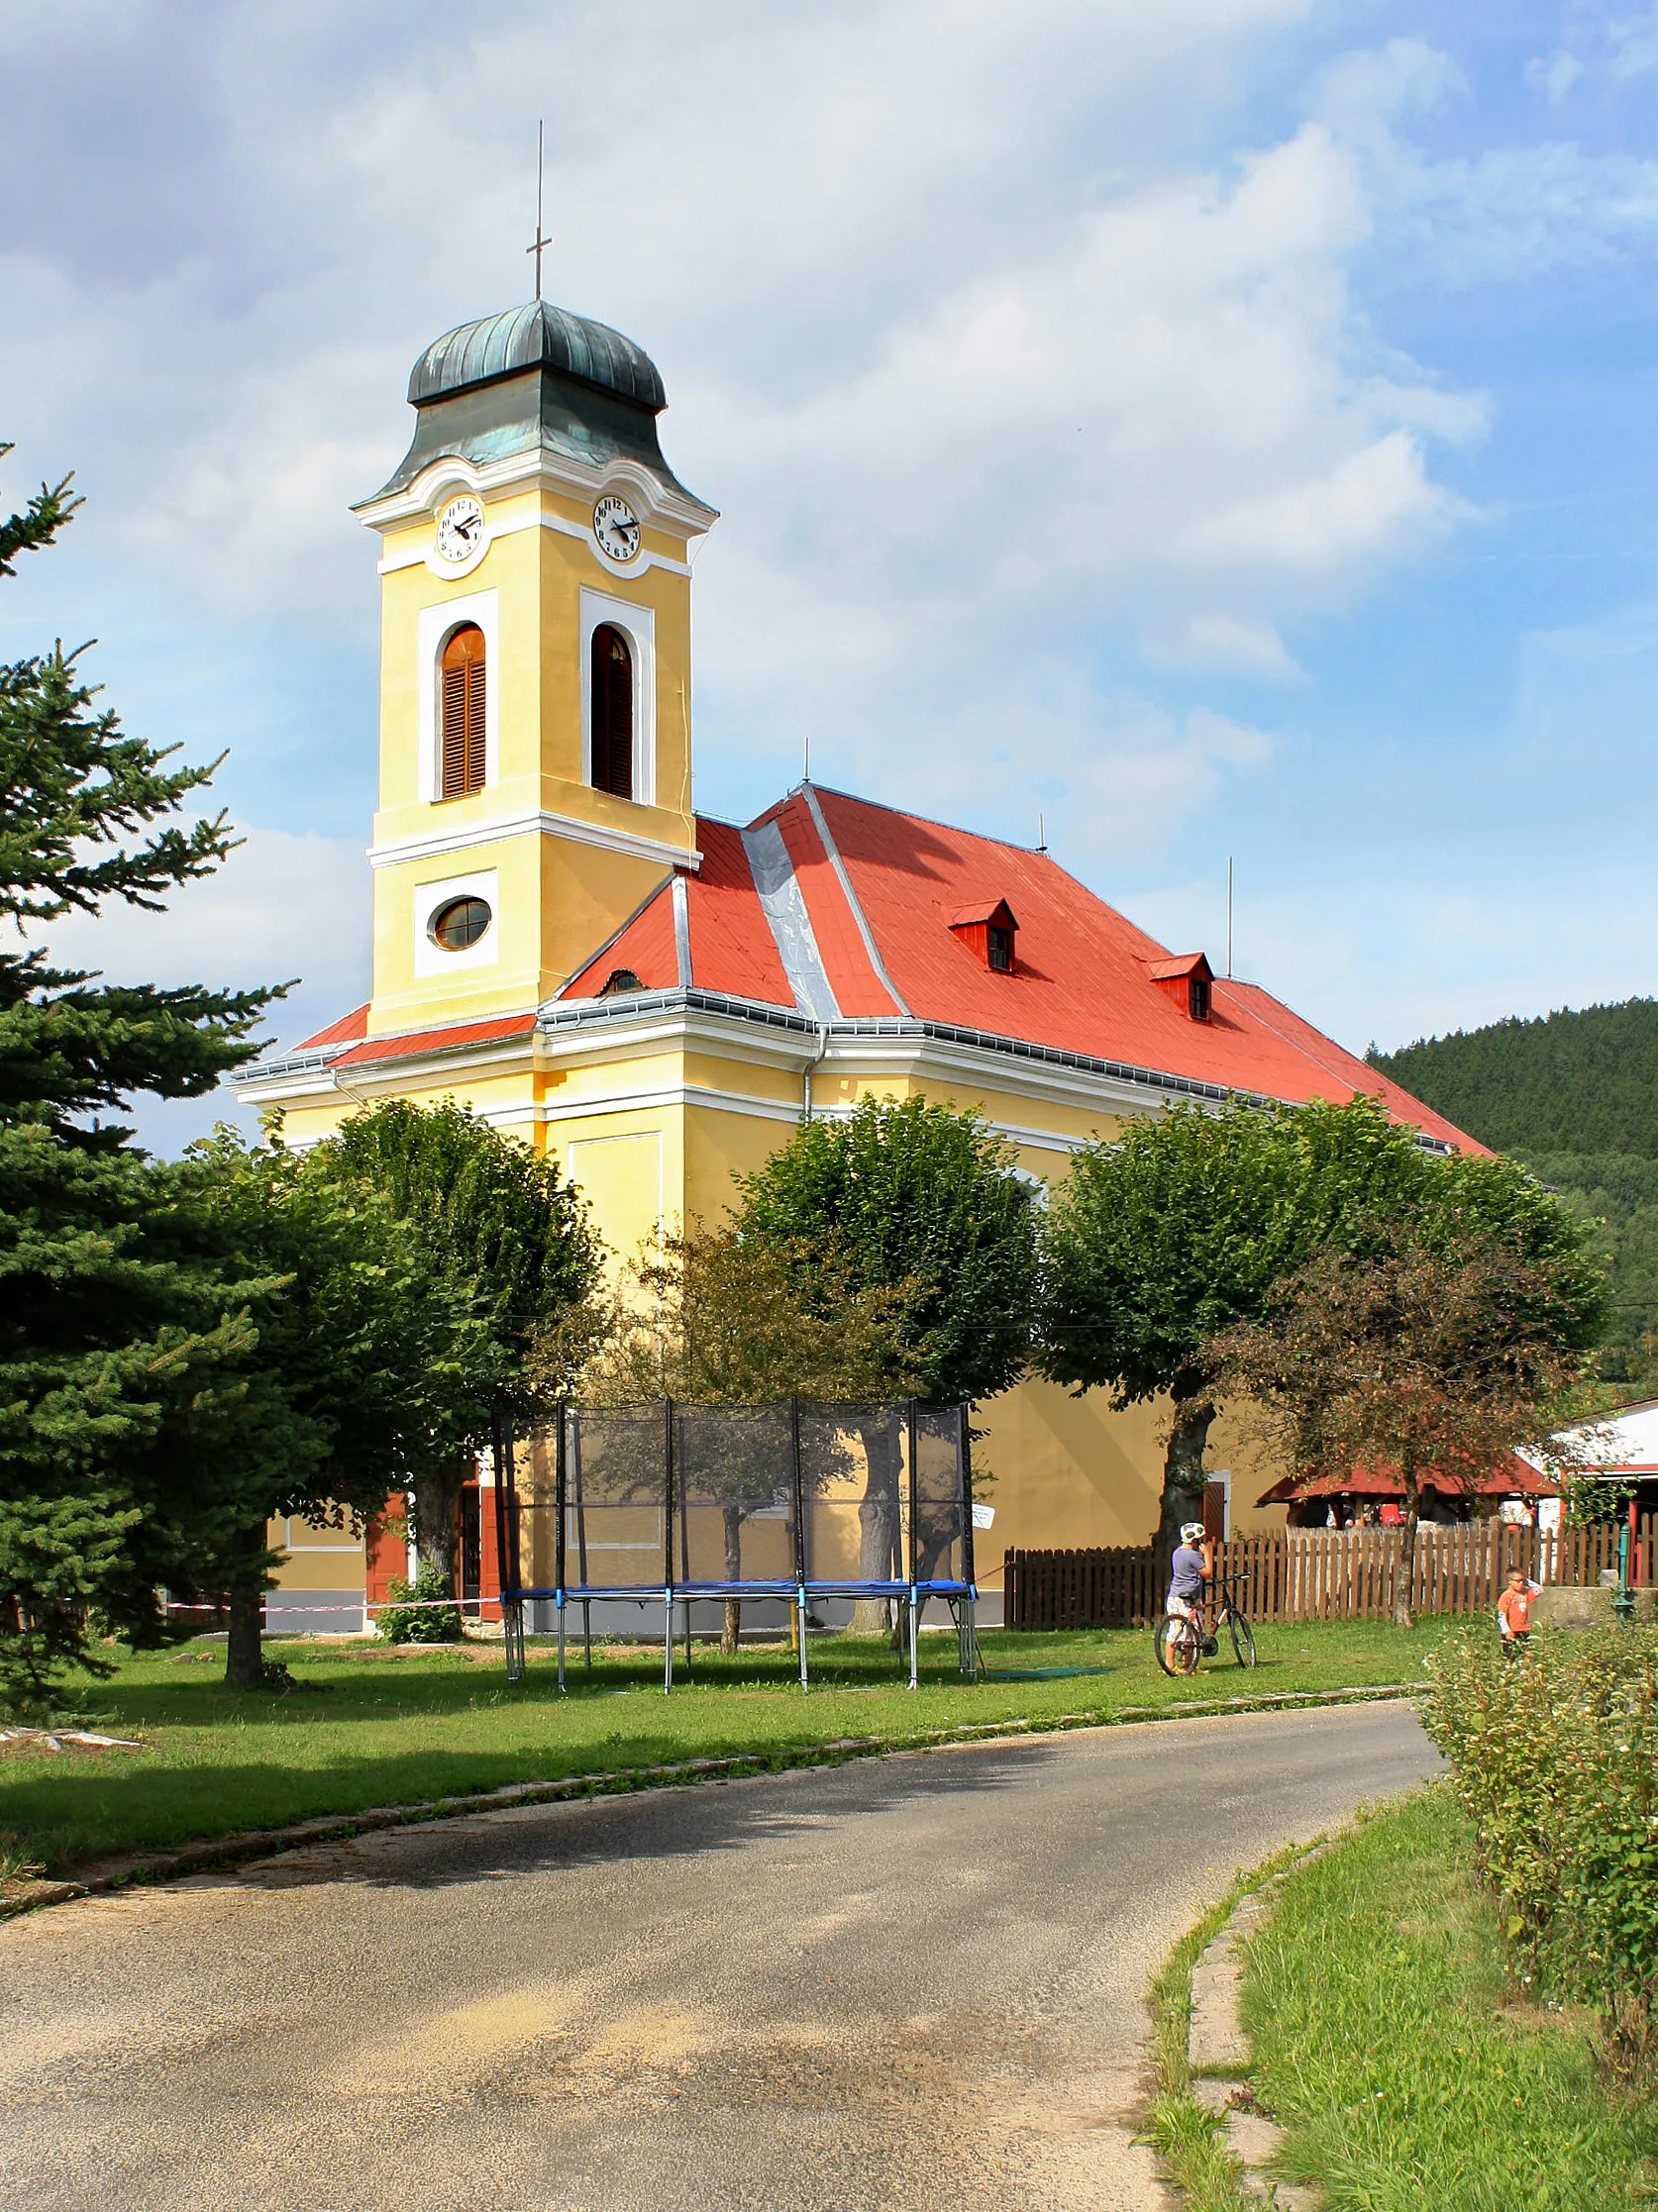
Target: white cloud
[[282, 907], [1616, 48], [1514, 214], [1026, 359], [1219, 642]]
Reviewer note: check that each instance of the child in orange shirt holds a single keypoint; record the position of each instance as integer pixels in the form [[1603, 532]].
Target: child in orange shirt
[[1514, 1613]]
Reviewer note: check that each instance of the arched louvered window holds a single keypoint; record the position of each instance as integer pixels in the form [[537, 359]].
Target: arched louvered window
[[612, 706], [462, 689]]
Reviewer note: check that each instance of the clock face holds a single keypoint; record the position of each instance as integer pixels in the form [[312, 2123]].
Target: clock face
[[459, 530], [615, 528]]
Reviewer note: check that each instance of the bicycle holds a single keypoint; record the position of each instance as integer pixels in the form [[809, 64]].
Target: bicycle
[[1183, 1639]]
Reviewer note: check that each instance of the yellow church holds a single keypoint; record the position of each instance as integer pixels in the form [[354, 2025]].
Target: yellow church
[[658, 997]]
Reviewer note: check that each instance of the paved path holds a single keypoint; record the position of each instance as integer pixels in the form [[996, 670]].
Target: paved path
[[903, 1982]]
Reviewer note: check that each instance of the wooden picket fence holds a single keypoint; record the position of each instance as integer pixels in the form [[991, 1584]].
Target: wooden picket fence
[[1319, 1575]]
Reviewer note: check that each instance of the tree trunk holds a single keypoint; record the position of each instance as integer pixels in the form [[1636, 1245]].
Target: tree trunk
[[732, 1515], [437, 1499], [878, 1524], [245, 1660], [1408, 1550], [1183, 1466]]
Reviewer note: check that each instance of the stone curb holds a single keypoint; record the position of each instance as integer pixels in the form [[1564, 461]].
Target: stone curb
[[1218, 2051], [227, 1851]]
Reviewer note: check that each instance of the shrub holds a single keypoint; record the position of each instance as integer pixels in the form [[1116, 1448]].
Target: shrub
[[413, 1617], [1555, 1755]]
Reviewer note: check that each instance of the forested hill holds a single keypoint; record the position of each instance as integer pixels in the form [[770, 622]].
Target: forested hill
[[1583, 1082], [1576, 1097]]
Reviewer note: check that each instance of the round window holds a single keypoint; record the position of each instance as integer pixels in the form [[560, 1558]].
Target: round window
[[461, 924]]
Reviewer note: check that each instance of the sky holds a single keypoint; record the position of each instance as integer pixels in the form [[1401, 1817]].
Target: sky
[[1221, 430]]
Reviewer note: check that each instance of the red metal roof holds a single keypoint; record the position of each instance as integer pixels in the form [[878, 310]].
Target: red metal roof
[[731, 944], [646, 945], [341, 1032], [421, 1041], [1513, 1478], [1176, 971], [1081, 981], [883, 894]]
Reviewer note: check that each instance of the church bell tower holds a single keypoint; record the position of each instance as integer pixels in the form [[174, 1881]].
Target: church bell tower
[[535, 667]]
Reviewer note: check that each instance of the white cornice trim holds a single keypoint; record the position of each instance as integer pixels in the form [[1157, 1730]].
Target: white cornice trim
[[981, 1069], [667, 1096], [302, 1079], [674, 1029], [670, 509], [440, 842], [971, 1071], [929, 1059]]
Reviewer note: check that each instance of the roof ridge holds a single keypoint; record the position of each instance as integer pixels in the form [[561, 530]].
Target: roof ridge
[[832, 853]]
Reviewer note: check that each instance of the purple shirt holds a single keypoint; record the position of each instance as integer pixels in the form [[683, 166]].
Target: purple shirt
[[1186, 1574]]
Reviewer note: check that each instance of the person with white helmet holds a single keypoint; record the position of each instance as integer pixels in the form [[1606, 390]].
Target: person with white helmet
[[1189, 1571]]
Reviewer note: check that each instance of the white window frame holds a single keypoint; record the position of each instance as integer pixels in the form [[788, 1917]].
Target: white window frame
[[639, 626], [437, 626], [430, 957]]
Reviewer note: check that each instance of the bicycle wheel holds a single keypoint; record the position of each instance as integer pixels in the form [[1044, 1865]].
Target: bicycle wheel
[[1243, 1638], [1180, 1644]]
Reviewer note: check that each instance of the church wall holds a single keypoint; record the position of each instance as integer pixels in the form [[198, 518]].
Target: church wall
[[587, 896], [567, 566], [719, 1147], [506, 871], [320, 1584], [630, 1168], [509, 575]]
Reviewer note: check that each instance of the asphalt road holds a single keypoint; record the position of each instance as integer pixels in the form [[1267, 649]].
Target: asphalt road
[[903, 1982]]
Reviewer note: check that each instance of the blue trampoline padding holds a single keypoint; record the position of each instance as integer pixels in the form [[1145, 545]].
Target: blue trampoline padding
[[632, 1593], [733, 1589]]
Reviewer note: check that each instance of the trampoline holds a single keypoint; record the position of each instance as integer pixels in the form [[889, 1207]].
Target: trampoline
[[797, 1509]]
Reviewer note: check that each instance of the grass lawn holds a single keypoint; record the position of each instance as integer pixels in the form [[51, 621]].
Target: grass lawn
[[368, 1725], [1408, 2073]]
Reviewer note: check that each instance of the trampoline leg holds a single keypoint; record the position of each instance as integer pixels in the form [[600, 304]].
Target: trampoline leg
[[587, 1632], [562, 1690], [668, 1643], [801, 1630], [914, 1629]]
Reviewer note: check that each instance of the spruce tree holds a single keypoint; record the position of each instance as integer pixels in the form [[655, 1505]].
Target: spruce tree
[[120, 1323]]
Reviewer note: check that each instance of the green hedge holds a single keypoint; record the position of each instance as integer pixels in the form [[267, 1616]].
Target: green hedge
[[1555, 1756]]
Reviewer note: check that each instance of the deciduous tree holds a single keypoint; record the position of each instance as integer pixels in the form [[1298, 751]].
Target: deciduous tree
[[1180, 1227], [349, 1370], [1423, 1352], [924, 1200]]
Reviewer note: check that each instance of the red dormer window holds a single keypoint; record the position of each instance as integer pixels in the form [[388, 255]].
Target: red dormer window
[[988, 928], [1188, 981]]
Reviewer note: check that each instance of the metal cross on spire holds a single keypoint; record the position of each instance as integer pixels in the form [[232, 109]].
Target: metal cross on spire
[[541, 242]]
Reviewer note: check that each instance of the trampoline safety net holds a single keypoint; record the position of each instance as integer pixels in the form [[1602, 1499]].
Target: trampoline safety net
[[680, 1509]]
